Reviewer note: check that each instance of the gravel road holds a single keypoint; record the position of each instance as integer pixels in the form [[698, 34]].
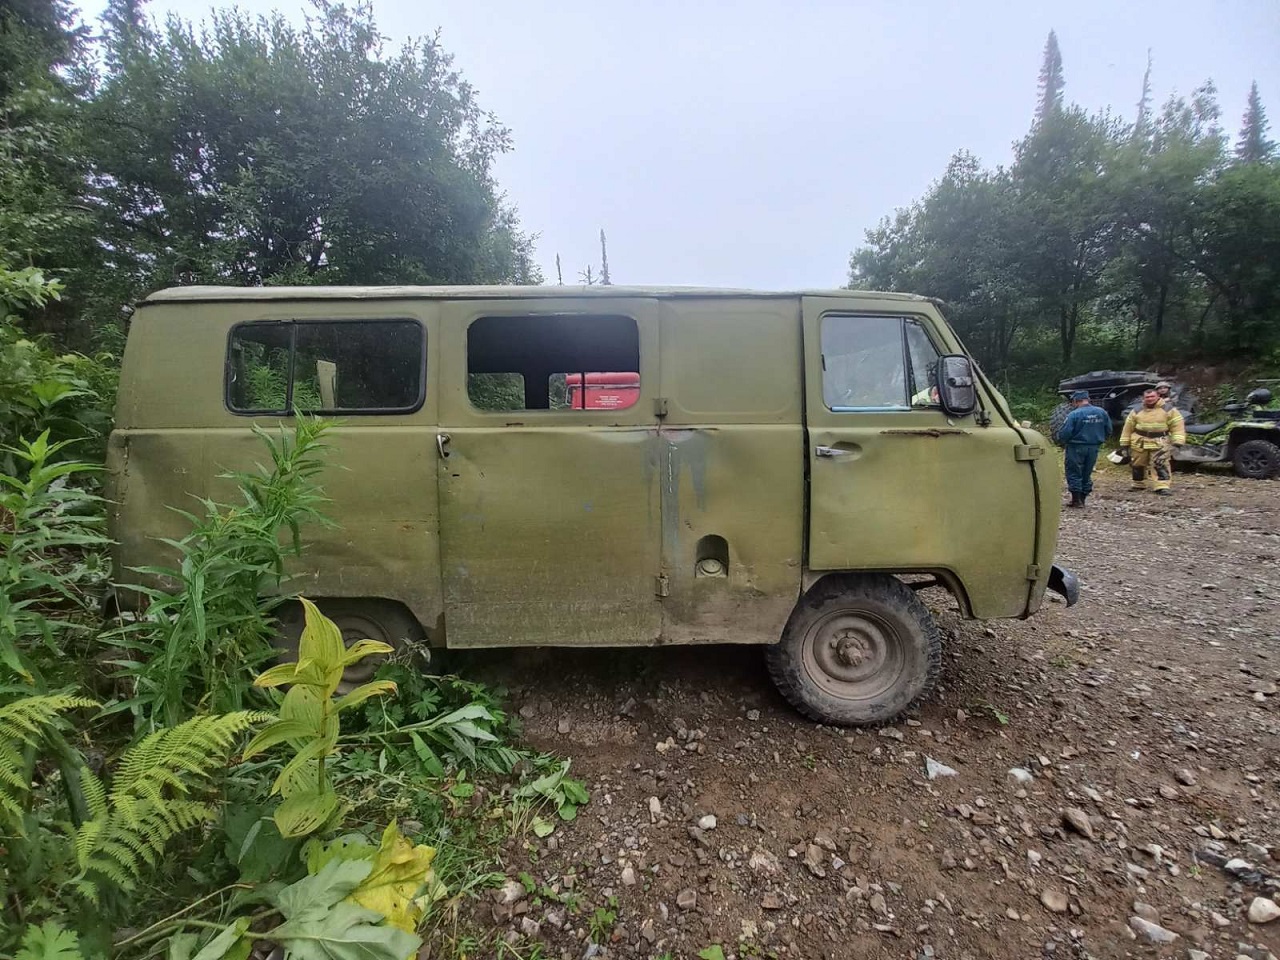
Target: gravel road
[[1115, 784]]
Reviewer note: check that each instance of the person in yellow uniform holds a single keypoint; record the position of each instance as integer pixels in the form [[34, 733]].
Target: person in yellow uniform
[[1150, 434]]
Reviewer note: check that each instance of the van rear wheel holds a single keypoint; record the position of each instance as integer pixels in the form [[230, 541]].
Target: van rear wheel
[[358, 618], [858, 651]]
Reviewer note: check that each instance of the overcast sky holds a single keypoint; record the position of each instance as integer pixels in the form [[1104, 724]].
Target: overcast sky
[[752, 143]]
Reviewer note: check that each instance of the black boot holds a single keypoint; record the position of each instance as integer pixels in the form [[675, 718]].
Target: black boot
[[1076, 500]]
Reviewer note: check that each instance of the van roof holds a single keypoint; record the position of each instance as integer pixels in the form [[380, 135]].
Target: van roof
[[207, 293]]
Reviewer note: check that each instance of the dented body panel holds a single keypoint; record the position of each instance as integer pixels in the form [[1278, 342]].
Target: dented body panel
[[699, 513]]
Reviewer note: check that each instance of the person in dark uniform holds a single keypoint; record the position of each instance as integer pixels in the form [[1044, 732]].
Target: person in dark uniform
[[1083, 432]]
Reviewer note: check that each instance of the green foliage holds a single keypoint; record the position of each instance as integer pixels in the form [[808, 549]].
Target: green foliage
[[321, 925], [600, 924], [149, 800], [40, 389], [309, 720], [1254, 145], [563, 792], [80, 863], [46, 525], [402, 883], [438, 723], [252, 843], [49, 942], [1103, 244], [242, 150], [496, 391], [1036, 405], [198, 646]]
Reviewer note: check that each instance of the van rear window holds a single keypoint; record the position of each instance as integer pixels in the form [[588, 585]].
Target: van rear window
[[553, 362], [326, 366]]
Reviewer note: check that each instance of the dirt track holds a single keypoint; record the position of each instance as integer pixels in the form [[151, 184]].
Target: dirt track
[[1151, 708]]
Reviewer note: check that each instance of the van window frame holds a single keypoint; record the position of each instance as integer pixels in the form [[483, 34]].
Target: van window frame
[[293, 323], [907, 367]]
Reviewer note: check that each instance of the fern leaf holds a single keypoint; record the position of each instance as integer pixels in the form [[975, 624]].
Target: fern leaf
[[35, 713], [116, 860], [10, 764], [142, 844], [147, 805], [95, 794], [197, 747], [23, 723], [86, 838]]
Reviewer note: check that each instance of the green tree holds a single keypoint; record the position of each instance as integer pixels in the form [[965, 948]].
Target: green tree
[[1063, 218], [45, 214], [35, 36], [1240, 259], [1102, 243], [1253, 145], [251, 152], [1155, 181], [1052, 80]]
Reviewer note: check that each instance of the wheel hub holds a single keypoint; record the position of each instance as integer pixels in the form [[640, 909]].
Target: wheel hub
[[851, 648], [853, 654]]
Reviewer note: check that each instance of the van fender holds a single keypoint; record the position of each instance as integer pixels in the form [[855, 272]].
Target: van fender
[[915, 579]]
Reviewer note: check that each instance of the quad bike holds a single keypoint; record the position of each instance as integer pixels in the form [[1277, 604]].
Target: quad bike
[[1248, 439], [1117, 392]]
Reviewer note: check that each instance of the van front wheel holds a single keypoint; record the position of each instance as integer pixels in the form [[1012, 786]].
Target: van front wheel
[[858, 651]]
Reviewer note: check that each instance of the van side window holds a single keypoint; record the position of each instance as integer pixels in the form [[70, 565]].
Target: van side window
[[553, 362], [326, 366], [877, 363]]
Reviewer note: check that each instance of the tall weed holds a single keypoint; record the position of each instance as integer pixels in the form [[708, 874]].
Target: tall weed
[[198, 647]]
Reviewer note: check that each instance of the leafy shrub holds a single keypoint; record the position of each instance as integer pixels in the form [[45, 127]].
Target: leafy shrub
[[46, 525], [1034, 404], [112, 832], [439, 723], [67, 394]]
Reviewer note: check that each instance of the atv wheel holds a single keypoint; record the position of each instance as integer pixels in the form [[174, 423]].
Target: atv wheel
[[1257, 460], [857, 651], [1057, 419]]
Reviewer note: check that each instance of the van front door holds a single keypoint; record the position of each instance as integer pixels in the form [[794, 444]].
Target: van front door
[[549, 504], [897, 485]]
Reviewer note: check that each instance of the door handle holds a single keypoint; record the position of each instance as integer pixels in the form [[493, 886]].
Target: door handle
[[442, 440], [831, 453]]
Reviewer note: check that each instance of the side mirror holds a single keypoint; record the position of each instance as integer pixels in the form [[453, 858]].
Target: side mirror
[[957, 385]]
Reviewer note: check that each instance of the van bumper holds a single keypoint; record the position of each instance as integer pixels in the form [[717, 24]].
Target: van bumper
[[1065, 583]]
